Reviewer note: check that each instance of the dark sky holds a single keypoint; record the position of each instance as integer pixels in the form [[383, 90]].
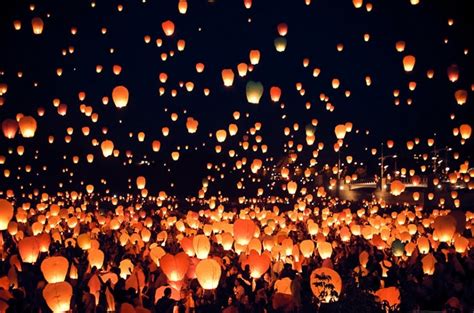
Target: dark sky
[[220, 35]]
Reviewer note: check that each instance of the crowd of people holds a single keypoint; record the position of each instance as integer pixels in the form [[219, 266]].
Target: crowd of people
[[450, 288]]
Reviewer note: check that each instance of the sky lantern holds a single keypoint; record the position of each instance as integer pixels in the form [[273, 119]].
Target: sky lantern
[[182, 6], [460, 96], [208, 273], [292, 187], [175, 155], [192, 125], [409, 63], [465, 130], [444, 227], [233, 129], [243, 231], [141, 182], [202, 246], [156, 145], [6, 213], [326, 290], [275, 93], [389, 295], [168, 28], [55, 269], [357, 3], [428, 263], [453, 73], [325, 250], [27, 126], [37, 25], [96, 258], [254, 91], [397, 188], [242, 68], [9, 128], [307, 248], [228, 77], [258, 263], [340, 131], [280, 44], [175, 266], [120, 96], [107, 147], [282, 29], [58, 296], [221, 135], [200, 67], [29, 249], [254, 56]]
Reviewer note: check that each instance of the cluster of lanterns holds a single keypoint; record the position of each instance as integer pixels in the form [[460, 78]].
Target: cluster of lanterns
[[261, 237]]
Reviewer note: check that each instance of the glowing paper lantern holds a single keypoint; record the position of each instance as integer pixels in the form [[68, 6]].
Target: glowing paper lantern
[[6, 213], [409, 63], [175, 266], [202, 246], [208, 273], [397, 188], [321, 280], [258, 264], [325, 250], [58, 296], [96, 258], [292, 187], [221, 135], [107, 147], [307, 248], [141, 182], [244, 231], [340, 131], [228, 77], [29, 249], [27, 126], [37, 25], [390, 295], [168, 27], [120, 96], [445, 227], [465, 130], [254, 92], [55, 269], [428, 263], [9, 128]]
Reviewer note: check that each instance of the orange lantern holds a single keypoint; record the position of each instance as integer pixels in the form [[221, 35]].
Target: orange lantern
[[55, 269], [208, 273], [58, 296]]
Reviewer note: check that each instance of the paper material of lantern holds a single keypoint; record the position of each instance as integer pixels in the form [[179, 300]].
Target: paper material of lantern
[[58, 296], [55, 269], [390, 295], [208, 273], [326, 284], [6, 213], [120, 96], [29, 249], [254, 92], [175, 266], [243, 231], [202, 246], [258, 264]]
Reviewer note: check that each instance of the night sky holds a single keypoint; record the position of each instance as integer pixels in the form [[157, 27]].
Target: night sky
[[220, 34]]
